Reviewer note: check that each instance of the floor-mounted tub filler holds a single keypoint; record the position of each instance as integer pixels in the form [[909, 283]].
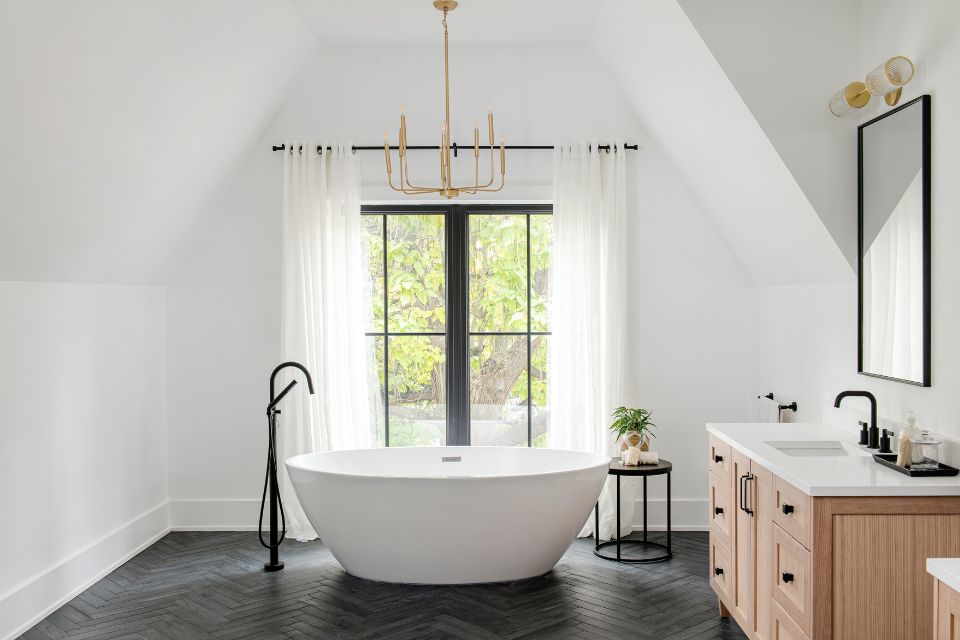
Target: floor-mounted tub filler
[[448, 515]]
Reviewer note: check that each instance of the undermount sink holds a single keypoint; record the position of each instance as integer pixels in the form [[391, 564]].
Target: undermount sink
[[809, 448]]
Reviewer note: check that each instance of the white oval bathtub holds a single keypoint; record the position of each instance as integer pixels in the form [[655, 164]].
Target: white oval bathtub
[[448, 515]]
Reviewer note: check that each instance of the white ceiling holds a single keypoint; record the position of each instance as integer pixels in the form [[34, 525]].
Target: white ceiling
[[474, 22]]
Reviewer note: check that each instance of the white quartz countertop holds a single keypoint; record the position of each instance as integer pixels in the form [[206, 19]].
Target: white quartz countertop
[[855, 474], [946, 570]]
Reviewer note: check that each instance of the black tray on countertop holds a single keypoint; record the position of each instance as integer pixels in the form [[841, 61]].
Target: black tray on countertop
[[888, 460]]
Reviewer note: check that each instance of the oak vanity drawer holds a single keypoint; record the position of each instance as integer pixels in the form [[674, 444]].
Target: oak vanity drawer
[[721, 566], [721, 463], [721, 509], [792, 511], [784, 628], [792, 582]]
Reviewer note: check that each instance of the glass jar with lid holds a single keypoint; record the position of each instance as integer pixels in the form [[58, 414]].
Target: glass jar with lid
[[926, 451]]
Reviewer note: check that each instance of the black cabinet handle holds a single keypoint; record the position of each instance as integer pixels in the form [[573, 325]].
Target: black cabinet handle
[[741, 505], [743, 493], [787, 509], [787, 576], [717, 571], [718, 510], [717, 458]]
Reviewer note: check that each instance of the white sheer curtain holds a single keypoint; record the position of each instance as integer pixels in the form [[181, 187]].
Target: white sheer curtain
[[322, 322], [586, 368]]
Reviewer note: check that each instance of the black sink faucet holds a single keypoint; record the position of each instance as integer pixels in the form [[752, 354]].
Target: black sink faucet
[[874, 440]]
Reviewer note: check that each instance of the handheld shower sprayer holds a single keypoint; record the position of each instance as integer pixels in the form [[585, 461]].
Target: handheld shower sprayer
[[270, 483]]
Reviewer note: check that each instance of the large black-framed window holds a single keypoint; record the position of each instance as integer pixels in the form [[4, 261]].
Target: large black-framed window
[[457, 323]]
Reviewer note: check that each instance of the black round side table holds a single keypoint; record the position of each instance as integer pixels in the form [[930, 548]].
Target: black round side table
[[645, 470]]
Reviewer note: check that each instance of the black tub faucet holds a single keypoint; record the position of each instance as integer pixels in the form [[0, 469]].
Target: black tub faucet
[[874, 440]]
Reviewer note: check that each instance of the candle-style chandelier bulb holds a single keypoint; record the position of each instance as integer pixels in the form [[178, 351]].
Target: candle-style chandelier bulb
[[446, 187]]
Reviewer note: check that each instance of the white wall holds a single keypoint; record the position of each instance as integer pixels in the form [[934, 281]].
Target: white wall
[[83, 436], [691, 309], [807, 336], [119, 119]]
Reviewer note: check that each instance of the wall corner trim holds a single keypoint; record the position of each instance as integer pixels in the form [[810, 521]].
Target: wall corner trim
[[30, 602]]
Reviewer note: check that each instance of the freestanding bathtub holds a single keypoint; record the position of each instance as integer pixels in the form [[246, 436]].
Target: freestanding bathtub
[[448, 515]]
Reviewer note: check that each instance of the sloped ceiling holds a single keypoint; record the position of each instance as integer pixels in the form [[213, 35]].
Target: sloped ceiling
[[119, 119], [785, 76], [686, 101]]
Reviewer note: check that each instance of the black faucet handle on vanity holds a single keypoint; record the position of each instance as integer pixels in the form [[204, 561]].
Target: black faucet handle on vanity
[[864, 433], [885, 441]]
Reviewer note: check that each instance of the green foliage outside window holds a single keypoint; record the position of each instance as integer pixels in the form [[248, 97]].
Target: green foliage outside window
[[498, 303]]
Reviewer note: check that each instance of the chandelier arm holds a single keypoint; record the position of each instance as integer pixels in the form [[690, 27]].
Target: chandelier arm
[[405, 176], [502, 172], [389, 171], [472, 190], [483, 187], [499, 187], [490, 181]]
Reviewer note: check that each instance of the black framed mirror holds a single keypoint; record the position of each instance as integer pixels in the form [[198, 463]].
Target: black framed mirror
[[894, 244]]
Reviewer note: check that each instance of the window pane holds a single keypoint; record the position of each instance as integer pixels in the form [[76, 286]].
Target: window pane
[[541, 250], [375, 386], [371, 231], [540, 421], [415, 273], [498, 272], [498, 390], [417, 387]]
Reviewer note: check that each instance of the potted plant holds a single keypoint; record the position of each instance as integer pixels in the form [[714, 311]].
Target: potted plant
[[633, 427]]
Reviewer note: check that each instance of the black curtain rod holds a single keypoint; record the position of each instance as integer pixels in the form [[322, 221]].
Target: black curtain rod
[[602, 147]]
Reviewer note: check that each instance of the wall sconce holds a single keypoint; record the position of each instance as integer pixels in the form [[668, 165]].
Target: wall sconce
[[886, 80]]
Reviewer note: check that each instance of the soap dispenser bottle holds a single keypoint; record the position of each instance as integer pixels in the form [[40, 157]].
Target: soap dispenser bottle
[[912, 431]]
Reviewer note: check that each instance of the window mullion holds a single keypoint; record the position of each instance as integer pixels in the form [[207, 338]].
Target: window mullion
[[458, 360]]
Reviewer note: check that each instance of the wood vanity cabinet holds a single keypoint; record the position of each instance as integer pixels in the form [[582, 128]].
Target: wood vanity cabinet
[[946, 607], [825, 568]]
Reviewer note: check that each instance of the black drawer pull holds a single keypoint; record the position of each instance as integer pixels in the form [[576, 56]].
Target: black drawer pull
[[787, 576], [717, 458], [717, 571], [718, 510], [787, 509]]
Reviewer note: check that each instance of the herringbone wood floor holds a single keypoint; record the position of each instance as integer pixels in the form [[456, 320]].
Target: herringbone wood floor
[[210, 585]]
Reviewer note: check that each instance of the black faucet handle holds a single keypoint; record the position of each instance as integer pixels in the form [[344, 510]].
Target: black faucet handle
[[864, 433], [885, 442]]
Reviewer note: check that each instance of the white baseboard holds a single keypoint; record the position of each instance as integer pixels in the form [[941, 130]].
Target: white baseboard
[[30, 602], [226, 514]]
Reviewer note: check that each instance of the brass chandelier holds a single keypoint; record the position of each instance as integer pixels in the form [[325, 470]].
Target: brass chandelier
[[446, 188]]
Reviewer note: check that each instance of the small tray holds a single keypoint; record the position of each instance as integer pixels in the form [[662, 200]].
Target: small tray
[[891, 461]]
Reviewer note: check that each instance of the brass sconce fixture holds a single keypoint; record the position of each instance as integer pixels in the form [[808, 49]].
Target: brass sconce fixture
[[885, 80]]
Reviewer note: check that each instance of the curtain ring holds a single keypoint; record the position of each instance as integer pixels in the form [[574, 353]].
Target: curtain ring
[[353, 150], [300, 150], [319, 150]]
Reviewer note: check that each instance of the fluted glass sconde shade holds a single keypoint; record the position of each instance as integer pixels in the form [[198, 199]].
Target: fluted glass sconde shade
[[846, 101], [888, 79]]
